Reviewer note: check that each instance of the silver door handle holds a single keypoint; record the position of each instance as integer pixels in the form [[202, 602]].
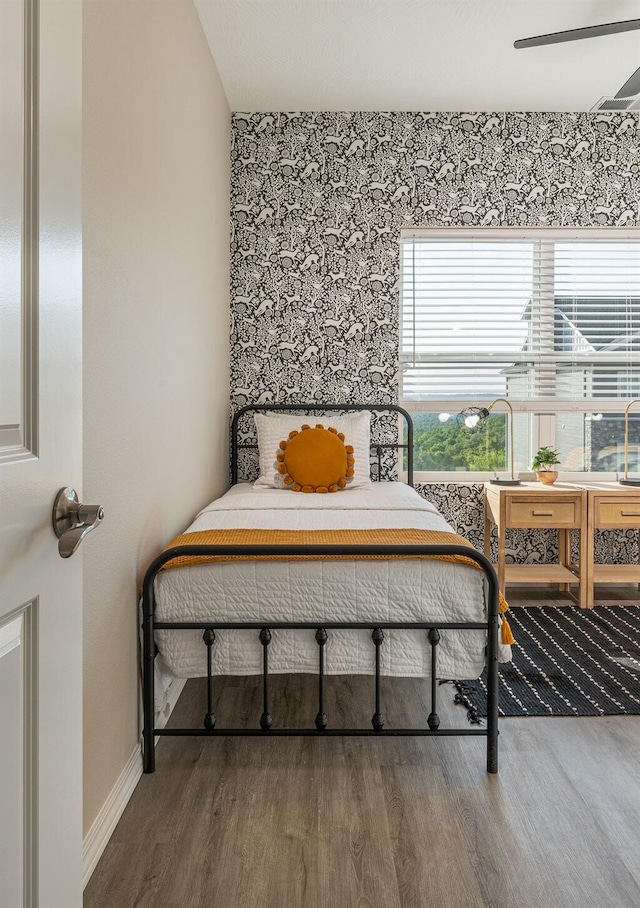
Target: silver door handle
[[72, 520]]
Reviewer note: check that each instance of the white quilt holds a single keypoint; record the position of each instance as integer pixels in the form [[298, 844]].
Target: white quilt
[[359, 590]]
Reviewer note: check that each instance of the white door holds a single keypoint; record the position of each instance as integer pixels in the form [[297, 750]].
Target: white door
[[40, 451]]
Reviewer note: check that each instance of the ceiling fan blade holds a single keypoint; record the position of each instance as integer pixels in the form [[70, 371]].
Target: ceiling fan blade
[[631, 87], [576, 34]]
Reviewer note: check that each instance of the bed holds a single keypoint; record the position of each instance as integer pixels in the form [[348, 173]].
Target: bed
[[371, 580]]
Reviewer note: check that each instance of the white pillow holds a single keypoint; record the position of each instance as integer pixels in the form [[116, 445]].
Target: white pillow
[[274, 428]]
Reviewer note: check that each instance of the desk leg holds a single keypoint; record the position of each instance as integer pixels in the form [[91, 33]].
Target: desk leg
[[564, 555], [587, 554]]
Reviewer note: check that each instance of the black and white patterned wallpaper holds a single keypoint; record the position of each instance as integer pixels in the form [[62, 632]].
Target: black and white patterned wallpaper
[[318, 201]]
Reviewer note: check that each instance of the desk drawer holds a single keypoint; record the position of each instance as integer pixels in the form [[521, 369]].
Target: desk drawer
[[616, 513], [543, 513]]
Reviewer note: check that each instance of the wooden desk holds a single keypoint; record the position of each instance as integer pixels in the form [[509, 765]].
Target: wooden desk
[[609, 506], [530, 505]]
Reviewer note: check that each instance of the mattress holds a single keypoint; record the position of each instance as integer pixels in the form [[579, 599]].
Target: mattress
[[323, 591]]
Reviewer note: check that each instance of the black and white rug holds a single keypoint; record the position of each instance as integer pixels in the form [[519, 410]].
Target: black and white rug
[[567, 662]]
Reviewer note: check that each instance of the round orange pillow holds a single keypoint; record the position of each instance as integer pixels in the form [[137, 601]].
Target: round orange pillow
[[315, 460]]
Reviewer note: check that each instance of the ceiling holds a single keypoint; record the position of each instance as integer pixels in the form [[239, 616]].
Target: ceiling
[[415, 54]]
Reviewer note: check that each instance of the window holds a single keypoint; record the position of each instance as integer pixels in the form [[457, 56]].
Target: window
[[548, 319]]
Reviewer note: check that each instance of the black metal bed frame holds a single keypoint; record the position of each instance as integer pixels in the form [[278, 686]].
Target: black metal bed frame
[[322, 628]]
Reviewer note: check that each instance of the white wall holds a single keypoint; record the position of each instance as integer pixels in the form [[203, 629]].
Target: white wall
[[156, 297]]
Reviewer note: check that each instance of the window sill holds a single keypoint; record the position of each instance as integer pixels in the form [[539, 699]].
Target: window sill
[[467, 478]]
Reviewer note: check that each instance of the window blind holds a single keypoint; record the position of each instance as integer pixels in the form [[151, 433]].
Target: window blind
[[530, 319]]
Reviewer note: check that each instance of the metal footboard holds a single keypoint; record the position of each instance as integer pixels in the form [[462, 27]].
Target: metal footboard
[[322, 630]]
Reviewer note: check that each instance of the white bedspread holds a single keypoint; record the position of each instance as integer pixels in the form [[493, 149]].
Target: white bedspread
[[358, 590]]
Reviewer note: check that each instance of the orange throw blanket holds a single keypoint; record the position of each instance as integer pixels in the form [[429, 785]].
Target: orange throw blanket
[[314, 538]]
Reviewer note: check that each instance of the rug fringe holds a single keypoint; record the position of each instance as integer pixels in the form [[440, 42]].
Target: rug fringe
[[462, 698]]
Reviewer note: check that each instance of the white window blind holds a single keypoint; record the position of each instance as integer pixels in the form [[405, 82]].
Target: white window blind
[[532, 319]]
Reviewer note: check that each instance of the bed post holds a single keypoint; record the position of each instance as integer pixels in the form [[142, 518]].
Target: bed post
[[234, 444], [408, 419], [148, 679], [492, 673]]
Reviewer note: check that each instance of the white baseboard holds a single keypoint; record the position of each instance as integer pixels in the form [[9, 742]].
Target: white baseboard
[[97, 838], [102, 827]]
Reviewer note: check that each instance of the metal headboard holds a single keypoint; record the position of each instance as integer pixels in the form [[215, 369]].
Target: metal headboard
[[377, 447]]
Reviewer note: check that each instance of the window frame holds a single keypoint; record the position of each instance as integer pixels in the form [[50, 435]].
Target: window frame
[[544, 410]]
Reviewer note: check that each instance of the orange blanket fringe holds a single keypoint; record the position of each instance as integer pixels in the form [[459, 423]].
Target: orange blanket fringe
[[327, 537]]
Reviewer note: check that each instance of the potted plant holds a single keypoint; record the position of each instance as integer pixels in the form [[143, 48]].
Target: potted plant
[[543, 463]]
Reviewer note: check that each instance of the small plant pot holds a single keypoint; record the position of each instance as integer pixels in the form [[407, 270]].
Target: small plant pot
[[548, 477]]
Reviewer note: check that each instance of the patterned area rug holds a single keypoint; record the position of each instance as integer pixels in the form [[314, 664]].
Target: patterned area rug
[[567, 662]]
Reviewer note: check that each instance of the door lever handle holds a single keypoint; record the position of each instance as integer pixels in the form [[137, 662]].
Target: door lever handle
[[72, 520]]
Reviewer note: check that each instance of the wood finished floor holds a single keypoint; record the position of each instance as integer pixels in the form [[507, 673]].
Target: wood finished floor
[[406, 823]]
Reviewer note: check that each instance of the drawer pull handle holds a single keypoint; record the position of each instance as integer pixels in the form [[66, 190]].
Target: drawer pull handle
[[630, 513], [542, 513]]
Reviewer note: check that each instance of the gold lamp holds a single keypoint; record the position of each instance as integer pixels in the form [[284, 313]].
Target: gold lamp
[[473, 415], [634, 480]]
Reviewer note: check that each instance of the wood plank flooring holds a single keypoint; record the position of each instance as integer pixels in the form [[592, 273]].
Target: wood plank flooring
[[404, 823]]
